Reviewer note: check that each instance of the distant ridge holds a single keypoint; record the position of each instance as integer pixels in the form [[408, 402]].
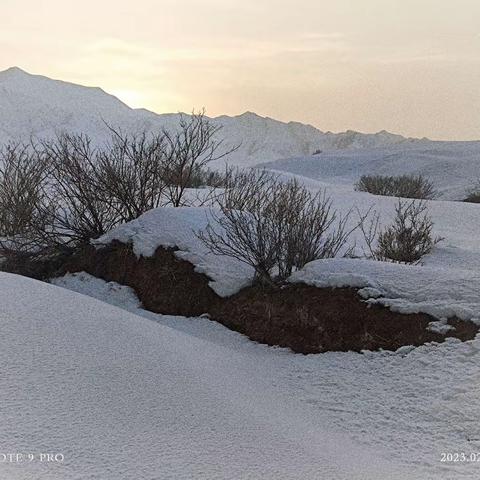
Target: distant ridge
[[35, 105]]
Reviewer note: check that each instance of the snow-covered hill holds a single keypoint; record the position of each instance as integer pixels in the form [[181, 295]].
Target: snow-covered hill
[[446, 285], [121, 397], [453, 167], [38, 106]]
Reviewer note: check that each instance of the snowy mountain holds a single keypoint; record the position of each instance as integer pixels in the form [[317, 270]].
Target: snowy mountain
[[39, 106], [33, 105]]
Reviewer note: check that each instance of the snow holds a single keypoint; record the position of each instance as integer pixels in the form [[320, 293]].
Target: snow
[[171, 227], [403, 288], [125, 393], [404, 408], [125, 397], [453, 167]]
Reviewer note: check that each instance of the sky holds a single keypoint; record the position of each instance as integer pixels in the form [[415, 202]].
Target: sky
[[408, 66]]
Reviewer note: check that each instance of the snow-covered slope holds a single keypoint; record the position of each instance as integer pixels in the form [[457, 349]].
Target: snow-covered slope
[[176, 227], [33, 105], [412, 406], [122, 397], [453, 167]]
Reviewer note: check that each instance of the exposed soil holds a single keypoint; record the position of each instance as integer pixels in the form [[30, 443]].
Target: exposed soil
[[304, 318], [164, 283], [309, 320]]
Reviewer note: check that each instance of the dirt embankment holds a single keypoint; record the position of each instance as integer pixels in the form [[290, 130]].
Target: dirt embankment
[[304, 318]]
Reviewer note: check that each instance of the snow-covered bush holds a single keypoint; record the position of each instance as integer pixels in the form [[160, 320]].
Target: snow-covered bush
[[404, 186], [407, 239], [273, 226]]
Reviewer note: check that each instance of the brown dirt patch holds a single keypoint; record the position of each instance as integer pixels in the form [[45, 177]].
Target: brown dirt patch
[[311, 320], [304, 318], [164, 283]]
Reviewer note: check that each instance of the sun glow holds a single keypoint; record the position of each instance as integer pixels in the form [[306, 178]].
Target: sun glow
[[337, 65], [132, 98]]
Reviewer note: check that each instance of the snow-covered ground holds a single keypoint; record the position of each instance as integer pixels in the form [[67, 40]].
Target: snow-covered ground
[[122, 397], [441, 292], [453, 167], [415, 404], [402, 410]]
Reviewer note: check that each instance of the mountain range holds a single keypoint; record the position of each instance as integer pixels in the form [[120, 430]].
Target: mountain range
[[34, 105]]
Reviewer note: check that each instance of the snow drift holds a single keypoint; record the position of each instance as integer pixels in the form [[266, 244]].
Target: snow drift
[[123, 397], [405, 408]]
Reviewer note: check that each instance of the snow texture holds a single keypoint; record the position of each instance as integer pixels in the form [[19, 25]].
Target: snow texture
[[404, 408], [125, 398]]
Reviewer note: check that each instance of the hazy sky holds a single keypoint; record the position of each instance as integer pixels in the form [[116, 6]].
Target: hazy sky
[[408, 66]]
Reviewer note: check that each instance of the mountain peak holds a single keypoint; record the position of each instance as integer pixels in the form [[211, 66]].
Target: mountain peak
[[248, 115], [14, 71]]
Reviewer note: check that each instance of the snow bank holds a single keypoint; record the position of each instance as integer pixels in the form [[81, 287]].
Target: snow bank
[[175, 228], [439, 291], [122, 397]]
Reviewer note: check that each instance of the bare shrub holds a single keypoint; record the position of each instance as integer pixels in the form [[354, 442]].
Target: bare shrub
[[407, 240], [204, 177], [404, 186], [273, 226], [80, 211], [130, 174], [22, 175], [57, 195], [190, 148], [473, 195], [21, 178]]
